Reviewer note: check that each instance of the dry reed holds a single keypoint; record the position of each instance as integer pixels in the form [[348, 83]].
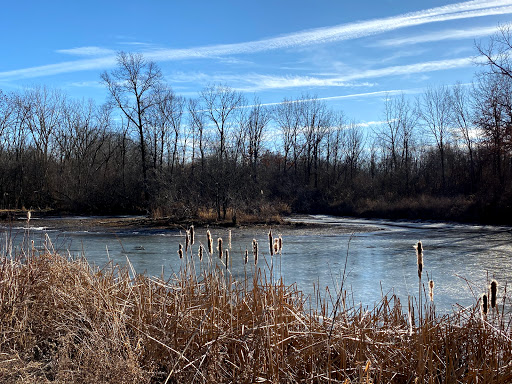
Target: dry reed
[[63, 321], [431, 290]]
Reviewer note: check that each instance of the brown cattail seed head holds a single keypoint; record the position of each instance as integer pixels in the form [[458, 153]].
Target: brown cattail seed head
[[280, 244], [219, 247], [485, 305], [431, 289], [270, 243], [192, 235], [276, 245], [255, 250], [227, 257], [229, 239], [494, 290], [200, 254], [187, 240], [180, 251], [246, 259], [29, 215], [210, 241], [419, 255]]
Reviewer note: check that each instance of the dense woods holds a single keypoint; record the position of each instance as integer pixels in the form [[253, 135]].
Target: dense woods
[[444, 154]]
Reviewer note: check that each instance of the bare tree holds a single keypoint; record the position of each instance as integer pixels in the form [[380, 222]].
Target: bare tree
[[131, 86], [220, 103], [6, 111], [197, 125], [493, 115], [335, 144], [316, 120], [396, 135], [287, 115], [461, 114], [498, 51], [435, 107], [257, 121], [355, 141], [44, 106]]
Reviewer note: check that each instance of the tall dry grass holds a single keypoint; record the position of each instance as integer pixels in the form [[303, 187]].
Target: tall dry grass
[[62, 321]]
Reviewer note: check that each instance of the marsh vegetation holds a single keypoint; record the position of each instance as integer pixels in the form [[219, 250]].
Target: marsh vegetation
[[65, 321]]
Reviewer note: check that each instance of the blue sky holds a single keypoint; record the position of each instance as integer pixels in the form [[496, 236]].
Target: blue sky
[[350, 53]]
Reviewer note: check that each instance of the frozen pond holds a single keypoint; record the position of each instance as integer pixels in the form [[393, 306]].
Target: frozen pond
[[460, 258]]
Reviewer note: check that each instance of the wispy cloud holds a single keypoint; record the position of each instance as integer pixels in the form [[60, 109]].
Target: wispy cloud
[[85, 84], [262, 82], [349, 31], [64, 67], [343, 32], [87, 51], [450, 34]]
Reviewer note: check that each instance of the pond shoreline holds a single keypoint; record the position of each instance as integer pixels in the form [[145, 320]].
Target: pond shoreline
[[130, 223]]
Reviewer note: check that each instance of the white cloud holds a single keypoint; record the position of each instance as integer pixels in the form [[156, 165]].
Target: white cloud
[[64, 67], [262, 82], [450, 34], [85, 84], [87, 51], [342, 32], [349, 31]]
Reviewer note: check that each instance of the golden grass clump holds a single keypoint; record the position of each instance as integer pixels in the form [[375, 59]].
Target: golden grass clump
[[62, 321]]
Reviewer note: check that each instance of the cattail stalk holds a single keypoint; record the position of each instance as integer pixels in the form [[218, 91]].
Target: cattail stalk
[[419, 259], [192, 235], [419, 255], [255, 250], [485, 305], [494, 290], [229, 239], [210, 242], [219, 247], [270, 243]]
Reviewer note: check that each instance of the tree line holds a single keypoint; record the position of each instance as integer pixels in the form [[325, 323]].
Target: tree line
[[151, 150]]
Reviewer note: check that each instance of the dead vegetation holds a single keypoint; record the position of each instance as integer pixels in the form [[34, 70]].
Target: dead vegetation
[[63, 321]]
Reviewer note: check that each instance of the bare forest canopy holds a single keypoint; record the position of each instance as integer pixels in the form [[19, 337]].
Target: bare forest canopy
[[445, 154]]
